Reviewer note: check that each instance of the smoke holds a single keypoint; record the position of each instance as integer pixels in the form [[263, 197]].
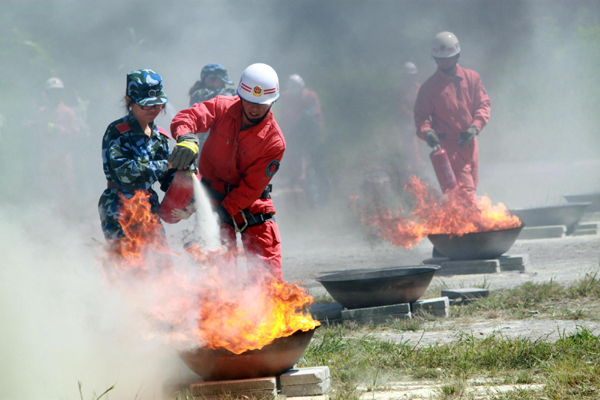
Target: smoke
[[61, 322]]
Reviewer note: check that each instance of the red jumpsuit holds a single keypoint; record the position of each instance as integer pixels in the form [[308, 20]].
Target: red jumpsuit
[[247, 159], [450, 105]]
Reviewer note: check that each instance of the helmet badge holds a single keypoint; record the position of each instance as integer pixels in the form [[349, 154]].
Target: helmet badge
[[152, 93], [257, 91]]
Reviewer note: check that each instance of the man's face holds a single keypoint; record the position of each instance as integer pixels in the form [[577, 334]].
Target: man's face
[[254, 110], [446, 63]]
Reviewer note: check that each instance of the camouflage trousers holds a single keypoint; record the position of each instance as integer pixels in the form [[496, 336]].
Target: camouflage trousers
[[108, 208]]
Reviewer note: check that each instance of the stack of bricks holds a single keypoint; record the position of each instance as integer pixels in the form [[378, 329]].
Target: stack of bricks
[[465, 295], [257, 388], [311, 381], [515, 262], [543, 232], [586, 228]]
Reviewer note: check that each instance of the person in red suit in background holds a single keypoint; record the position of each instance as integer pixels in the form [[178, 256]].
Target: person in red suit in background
[[451, 109]]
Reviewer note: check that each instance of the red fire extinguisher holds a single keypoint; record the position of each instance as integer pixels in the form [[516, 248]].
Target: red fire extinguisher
[[443, 169], [179, 195]]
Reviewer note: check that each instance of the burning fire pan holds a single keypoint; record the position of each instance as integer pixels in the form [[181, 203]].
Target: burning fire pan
[[564, 214], [361, 289], [593, 198], [476, 245], [271, 360]]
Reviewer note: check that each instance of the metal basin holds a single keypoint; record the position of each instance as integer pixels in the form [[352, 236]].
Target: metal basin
[[564, 214], [271, 360], [374, 288], [476, 245], [593, 198]]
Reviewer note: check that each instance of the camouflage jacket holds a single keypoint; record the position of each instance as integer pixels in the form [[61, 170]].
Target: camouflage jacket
[[131, 159], [204, 94]]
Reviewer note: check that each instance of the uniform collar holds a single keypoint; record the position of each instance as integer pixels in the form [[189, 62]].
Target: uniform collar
[[460, 73], [137, 129]]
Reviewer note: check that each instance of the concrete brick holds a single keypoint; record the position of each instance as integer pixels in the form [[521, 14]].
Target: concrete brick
[[328, 311], [438, 307], [543, 232], [310, 389], [303, 376], [465, 293], [321, 397], [255, 394], [516, 259], [429, 304], [380, 319], [587, 225], [467, 267], [512, 267], [435, 260], [236, 387], [585, 232], [376, 311]]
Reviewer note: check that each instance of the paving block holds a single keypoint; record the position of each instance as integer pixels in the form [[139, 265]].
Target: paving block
[[303, 376], [321, 397], [465, 293], [435, 260], [587, 225], [255, 394], [258, 387], [403, 308], [512, 267], [310, 389], [467, 267], [543, 232], [380, 319], [438, 306], [327, 311], [585, 232], [517, 259]]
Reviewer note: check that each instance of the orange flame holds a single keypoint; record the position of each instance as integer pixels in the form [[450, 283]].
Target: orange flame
[[215, 308], [452, 214]]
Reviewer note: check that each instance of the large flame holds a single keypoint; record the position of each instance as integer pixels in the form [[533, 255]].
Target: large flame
[[451, 214], [211, 306]]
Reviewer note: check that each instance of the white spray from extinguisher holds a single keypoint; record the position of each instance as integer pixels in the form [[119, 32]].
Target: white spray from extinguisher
[[207, 226]]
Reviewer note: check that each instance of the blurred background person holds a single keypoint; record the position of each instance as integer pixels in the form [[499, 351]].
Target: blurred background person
[[302, 121], [213, 79], [452, 107]]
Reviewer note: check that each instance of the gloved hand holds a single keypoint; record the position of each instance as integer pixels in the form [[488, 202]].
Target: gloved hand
[[187, 152], [223, 214], [431, 138], [466, 138]]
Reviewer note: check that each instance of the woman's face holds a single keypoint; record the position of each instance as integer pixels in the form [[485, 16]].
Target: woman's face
[[214, 83], [146, 114]]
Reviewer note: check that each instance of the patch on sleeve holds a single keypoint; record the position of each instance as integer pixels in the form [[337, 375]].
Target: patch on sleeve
[[123, 127], [272, 168]]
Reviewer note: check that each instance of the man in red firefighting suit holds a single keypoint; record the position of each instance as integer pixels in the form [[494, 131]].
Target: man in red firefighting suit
[[452, 107], [242, 153]]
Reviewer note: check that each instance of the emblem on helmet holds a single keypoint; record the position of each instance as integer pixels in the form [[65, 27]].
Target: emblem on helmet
[[257, 91], [152, 93]]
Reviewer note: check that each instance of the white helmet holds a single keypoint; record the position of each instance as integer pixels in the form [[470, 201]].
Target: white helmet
[[296, 84], [259, 84], [410, 68], [445, 45], [54, 83]]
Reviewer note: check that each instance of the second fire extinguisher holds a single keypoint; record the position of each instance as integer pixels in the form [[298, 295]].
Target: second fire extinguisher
[[443, 169]]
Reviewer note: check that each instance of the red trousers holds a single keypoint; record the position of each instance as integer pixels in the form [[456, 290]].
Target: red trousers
[[464, 162], [262, 245]]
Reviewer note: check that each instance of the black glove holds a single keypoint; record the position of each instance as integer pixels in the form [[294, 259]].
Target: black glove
[[431, 138], [187, 152], [466, 138], [223, 214]]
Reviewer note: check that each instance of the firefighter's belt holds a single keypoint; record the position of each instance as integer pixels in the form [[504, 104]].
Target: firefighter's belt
[[112, 185], [250, 220], [215, 190]]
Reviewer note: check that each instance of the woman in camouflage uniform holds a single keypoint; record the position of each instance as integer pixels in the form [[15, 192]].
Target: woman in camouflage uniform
[[211, 84], [135, 150]]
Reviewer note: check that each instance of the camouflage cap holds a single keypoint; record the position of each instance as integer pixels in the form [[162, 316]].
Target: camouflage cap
[[145, 87], [215, 70]]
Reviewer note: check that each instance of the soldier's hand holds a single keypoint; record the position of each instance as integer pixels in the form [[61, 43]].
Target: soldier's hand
[[432, 138], [186, 153], [466, 138]]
